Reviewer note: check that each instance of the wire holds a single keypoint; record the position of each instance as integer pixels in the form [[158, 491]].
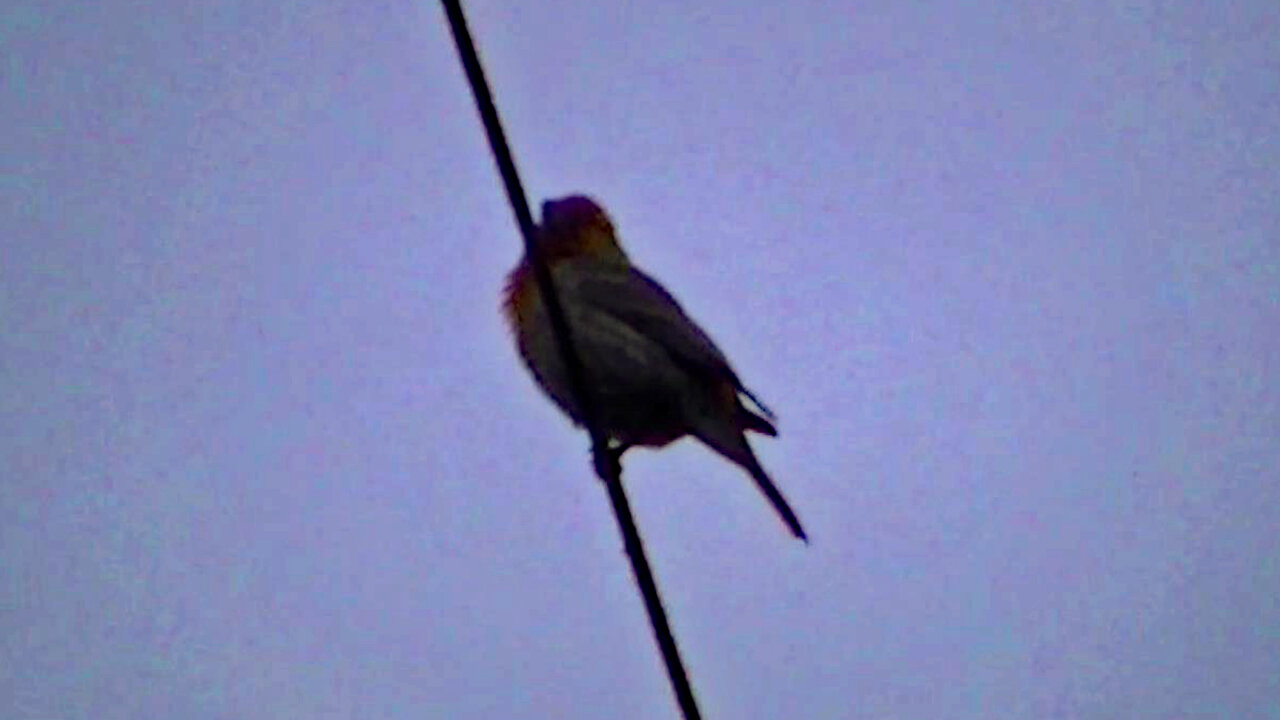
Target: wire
[[607, 461]]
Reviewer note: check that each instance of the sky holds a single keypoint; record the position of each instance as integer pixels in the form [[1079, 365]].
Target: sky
[[1009, 274]]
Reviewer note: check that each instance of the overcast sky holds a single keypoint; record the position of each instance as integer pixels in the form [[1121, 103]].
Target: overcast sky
[[1009, 273]]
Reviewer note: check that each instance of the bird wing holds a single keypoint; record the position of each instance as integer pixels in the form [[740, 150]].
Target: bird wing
[[640, 302]]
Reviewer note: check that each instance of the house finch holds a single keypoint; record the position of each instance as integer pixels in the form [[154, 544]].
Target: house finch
[[654, 375]]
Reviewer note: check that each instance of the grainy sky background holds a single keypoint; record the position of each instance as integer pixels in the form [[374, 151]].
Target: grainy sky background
[[1009, 273]]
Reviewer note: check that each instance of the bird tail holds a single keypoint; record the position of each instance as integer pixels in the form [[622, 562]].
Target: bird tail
[[736, 449]]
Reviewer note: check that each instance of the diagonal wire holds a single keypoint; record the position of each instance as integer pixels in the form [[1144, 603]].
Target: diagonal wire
[[606, 461]]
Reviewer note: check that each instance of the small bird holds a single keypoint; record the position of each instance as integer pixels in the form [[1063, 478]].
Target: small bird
[[654, 374]]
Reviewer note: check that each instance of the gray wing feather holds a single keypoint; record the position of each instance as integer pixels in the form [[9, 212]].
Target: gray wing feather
[[640, 302]]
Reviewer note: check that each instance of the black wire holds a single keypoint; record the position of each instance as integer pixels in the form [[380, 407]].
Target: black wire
[[607, 463]]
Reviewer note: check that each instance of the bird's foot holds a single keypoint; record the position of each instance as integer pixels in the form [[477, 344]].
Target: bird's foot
[[609, 460]]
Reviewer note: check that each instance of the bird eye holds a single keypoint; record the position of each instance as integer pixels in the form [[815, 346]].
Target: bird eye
[[548, 209]]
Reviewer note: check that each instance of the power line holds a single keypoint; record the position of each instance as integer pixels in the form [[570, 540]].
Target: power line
[[607, 461]]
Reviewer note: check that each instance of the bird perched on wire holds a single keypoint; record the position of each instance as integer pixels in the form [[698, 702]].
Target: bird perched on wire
[[654, 374]]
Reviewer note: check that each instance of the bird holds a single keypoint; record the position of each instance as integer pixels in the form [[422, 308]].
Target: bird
[[654, 375]]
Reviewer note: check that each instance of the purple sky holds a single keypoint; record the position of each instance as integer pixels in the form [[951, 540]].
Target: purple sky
[[1009, 276]]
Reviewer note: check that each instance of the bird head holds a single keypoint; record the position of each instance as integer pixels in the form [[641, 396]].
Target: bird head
[[576, 226]]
